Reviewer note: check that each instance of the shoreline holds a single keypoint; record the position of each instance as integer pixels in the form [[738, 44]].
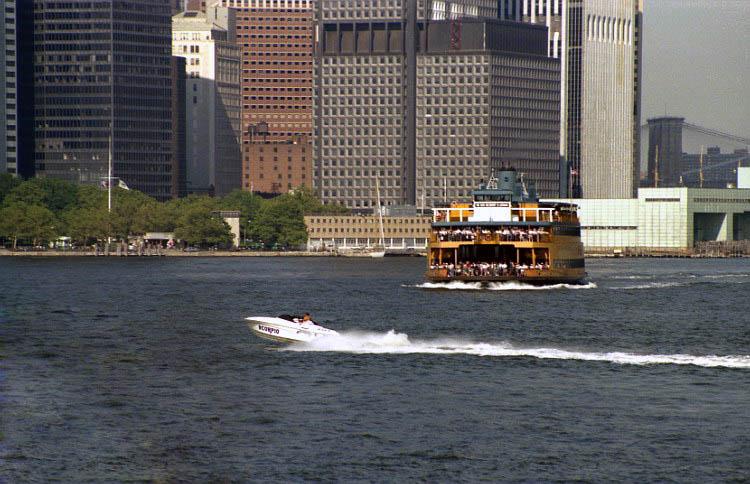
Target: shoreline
[[248, 253], [165, 253]]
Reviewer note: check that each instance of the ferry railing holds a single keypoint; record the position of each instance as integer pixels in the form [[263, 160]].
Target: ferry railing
[[459, 272], [520, 214], [492, 238]]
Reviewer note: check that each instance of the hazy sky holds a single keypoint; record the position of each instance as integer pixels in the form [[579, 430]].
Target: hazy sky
[[697, 62]]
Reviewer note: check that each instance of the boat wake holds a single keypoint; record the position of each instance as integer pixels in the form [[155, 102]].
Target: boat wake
[[695, 280], [652, 285], [498, 286], [399, 343]]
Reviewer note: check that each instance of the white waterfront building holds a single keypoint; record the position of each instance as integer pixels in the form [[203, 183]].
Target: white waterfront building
[[208, 43], [668, 219]]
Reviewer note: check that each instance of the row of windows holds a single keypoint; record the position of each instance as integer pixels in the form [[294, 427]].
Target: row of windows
[[380, 70], [256, 20], [381, 159], [373, 107], [265, 87], [717, 200], [382, 141], [276, 36], [476, 157], [274, 71], [343, 178], [363, 121], [277, 53], [259, 45], [268, 62], [609, 29], [344, 197], [372, 14], [375, 132], [370, 60]]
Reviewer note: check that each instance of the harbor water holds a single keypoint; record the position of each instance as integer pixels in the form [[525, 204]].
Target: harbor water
[[142, 369]]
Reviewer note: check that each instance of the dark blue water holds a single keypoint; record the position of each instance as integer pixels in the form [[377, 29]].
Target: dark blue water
[[142, 369]]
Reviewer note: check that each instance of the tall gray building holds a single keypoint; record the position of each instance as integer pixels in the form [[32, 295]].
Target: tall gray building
[[664, 151], [599, 44], [8, 88], [425, 96], [106, 81], [15, 89]]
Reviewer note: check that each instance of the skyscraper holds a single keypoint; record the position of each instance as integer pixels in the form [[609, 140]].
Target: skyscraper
[[599, 45], [664, 151], [207, 41], [16, 145], [276, 42], [8, 91], [104, 84], [427, 96]]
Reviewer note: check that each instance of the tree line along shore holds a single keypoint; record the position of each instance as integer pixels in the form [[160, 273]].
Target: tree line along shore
[[36, 213]]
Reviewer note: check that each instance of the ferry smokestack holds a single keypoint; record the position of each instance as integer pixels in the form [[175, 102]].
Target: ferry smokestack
[[507, 179]]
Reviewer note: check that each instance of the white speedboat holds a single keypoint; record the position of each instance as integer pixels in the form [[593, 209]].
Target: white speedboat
[[285, 330]]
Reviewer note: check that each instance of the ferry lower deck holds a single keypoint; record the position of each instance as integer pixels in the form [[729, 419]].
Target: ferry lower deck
[[536, 252]]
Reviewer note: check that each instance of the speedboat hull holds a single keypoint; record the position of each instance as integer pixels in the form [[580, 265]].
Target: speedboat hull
[[284, 331]]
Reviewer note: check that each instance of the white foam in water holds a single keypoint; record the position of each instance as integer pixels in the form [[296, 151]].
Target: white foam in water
[[726, 276], [520, 286], [653, 285], [453, 285], [499, 286], [399, 343]]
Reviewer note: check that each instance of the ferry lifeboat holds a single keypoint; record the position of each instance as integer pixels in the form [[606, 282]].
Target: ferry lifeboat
[[506, 234]]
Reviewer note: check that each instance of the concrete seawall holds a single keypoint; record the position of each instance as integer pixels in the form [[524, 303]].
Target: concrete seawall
[[164, 253]]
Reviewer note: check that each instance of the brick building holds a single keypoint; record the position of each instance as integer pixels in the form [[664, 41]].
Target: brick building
[[276, 43]]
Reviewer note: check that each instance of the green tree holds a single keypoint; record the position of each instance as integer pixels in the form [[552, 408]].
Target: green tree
[[197, 226], [159, 217], [58, 194], [129, 212], [280, 221], [20, 220], [88, 223], [90, 196], [248, 204], [7, 183], [27, 192]]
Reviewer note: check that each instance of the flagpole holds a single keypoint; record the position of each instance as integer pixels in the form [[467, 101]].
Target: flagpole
[[111, 101], [111, 116], [109, 178]]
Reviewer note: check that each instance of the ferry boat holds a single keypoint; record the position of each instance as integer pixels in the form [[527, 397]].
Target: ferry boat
[[506, 234]]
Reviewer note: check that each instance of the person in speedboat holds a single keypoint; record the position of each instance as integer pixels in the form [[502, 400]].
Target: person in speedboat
[[306, 318]]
